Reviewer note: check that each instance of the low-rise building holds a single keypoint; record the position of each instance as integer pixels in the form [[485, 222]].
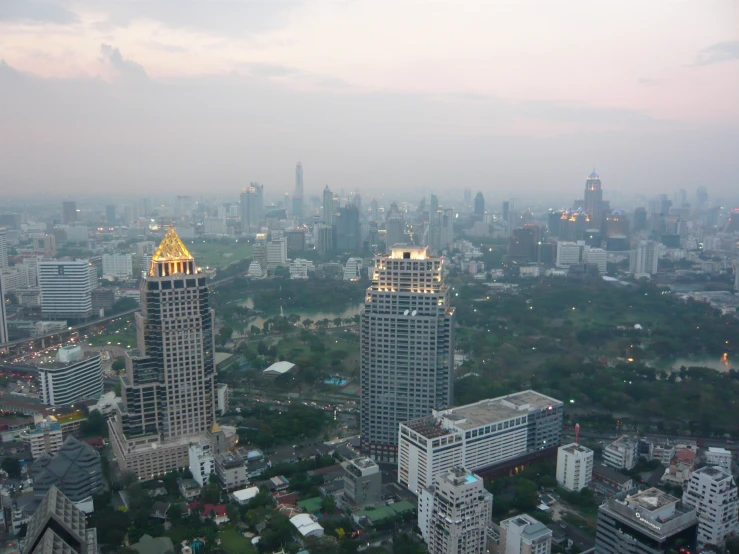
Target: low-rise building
[[243, 496], [609, 482], [719, 457], [280, 368], [231, 468], [45, 437], [307, 525], [201, 462], [623, 453], [75, 470], [523, 534], [72, 375], [362, 482], [574, 467], [189, 489]]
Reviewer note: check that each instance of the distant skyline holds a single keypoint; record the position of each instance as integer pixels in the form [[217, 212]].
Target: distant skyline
[[511, 98]]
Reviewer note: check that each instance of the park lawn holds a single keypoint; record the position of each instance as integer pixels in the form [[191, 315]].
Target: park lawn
[[122, 338], [234, 542], [217, 254]]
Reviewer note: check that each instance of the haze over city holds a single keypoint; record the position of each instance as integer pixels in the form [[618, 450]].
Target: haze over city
[[509, 98]]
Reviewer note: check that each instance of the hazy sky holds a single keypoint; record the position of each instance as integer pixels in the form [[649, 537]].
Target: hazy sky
[[509, 97]]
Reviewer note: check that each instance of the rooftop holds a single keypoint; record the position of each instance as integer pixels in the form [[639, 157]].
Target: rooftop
[[651, 499], [171, 248], [428, 427], [279, 368], [575, 448], [494, 410], [406, 251]]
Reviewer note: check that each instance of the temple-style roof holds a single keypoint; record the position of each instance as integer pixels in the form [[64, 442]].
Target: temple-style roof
[[171, 249]]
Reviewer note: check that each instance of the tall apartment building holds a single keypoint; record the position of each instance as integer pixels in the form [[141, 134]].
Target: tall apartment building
[[478, 436], [59, 527], [597, 257], [3, 315], [454, 512], [66, 287], [71, 376], [117, 266], [276, 253], [712, 492], [406, 347], [523, 534], [649, 522], [574, 467], [327, 212], [69, 212], [252, 208], [623, 453], [644, 258], [3, 248], [168, 390], [362, 482]]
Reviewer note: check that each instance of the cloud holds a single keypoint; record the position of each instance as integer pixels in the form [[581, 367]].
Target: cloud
[[271, 70], [36, 12], [171, 48], [718, 53], [125, 68], [649, 81]]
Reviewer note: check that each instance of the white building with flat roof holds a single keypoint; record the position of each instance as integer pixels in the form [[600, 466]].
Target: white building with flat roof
[[70, 376], [523, 534], [477, 436], [574, 467], [719, 457], [597, 257], [307, 525], [568, 253], [713, 493], [300, 267], [454, 512], [279, 368], [623, 453], [117, 266], [66, 287]]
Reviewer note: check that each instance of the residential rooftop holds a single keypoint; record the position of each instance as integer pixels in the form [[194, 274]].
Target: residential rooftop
[[651, 499], [575, 448]]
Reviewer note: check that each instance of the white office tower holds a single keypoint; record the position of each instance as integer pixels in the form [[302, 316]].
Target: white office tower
[[117, 266], [480, 436], [65, 285], [406, 347], [597, 257], [644, 259], [453, 513], [713, 493], [3, 316], [524, 535], [276, 253], [574, 467], [353, 269], [168, 391], [3, 248], [568, 253], [71, 377]]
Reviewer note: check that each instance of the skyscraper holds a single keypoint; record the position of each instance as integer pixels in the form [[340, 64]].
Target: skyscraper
[[328, 206], [252, 208], [593, 198], [479, 205], [644, 258], [298, 194], [453, 514], [69, 212], [347, 229], [406, 347], [3, 317], [168, 390], [3, 248]]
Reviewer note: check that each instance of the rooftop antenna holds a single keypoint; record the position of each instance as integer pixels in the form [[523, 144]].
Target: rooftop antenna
[[577, 432]]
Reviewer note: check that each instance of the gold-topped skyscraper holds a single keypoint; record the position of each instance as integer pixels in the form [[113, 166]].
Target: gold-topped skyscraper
[[168, 390]]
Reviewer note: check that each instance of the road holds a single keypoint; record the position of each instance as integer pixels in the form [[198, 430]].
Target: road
[[705, 441]]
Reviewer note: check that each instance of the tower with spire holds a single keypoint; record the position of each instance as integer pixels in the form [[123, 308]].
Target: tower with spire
[[593, 203], [168, 390]]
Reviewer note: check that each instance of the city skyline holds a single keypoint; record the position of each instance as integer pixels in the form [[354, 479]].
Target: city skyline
[[135, 98]]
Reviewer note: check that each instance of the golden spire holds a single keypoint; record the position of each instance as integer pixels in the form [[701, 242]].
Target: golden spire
[[171, 257]]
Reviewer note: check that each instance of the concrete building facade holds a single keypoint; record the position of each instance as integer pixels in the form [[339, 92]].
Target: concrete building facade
[[73, 376], [362, 482], [406, 347], [623, 453], [574, 467], [523, 534], [477, 436], [66, 287], [712, 492], [453, 513]]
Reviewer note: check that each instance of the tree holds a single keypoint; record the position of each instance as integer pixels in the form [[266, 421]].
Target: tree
[[211, 492], [337, 322], [12, 466], [95, 425], [234, 515], [328, 504], [119, 363], [224, 335], [307, 323]]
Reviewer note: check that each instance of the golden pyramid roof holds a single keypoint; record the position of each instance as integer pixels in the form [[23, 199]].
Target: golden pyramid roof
[[171, 248], [215, 428]]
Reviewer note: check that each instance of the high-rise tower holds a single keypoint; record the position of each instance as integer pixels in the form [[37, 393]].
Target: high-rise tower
[[328, 206], [3, 319], [593, 199], [168, 390], [406, 347], [298, 194], [252, 207]]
